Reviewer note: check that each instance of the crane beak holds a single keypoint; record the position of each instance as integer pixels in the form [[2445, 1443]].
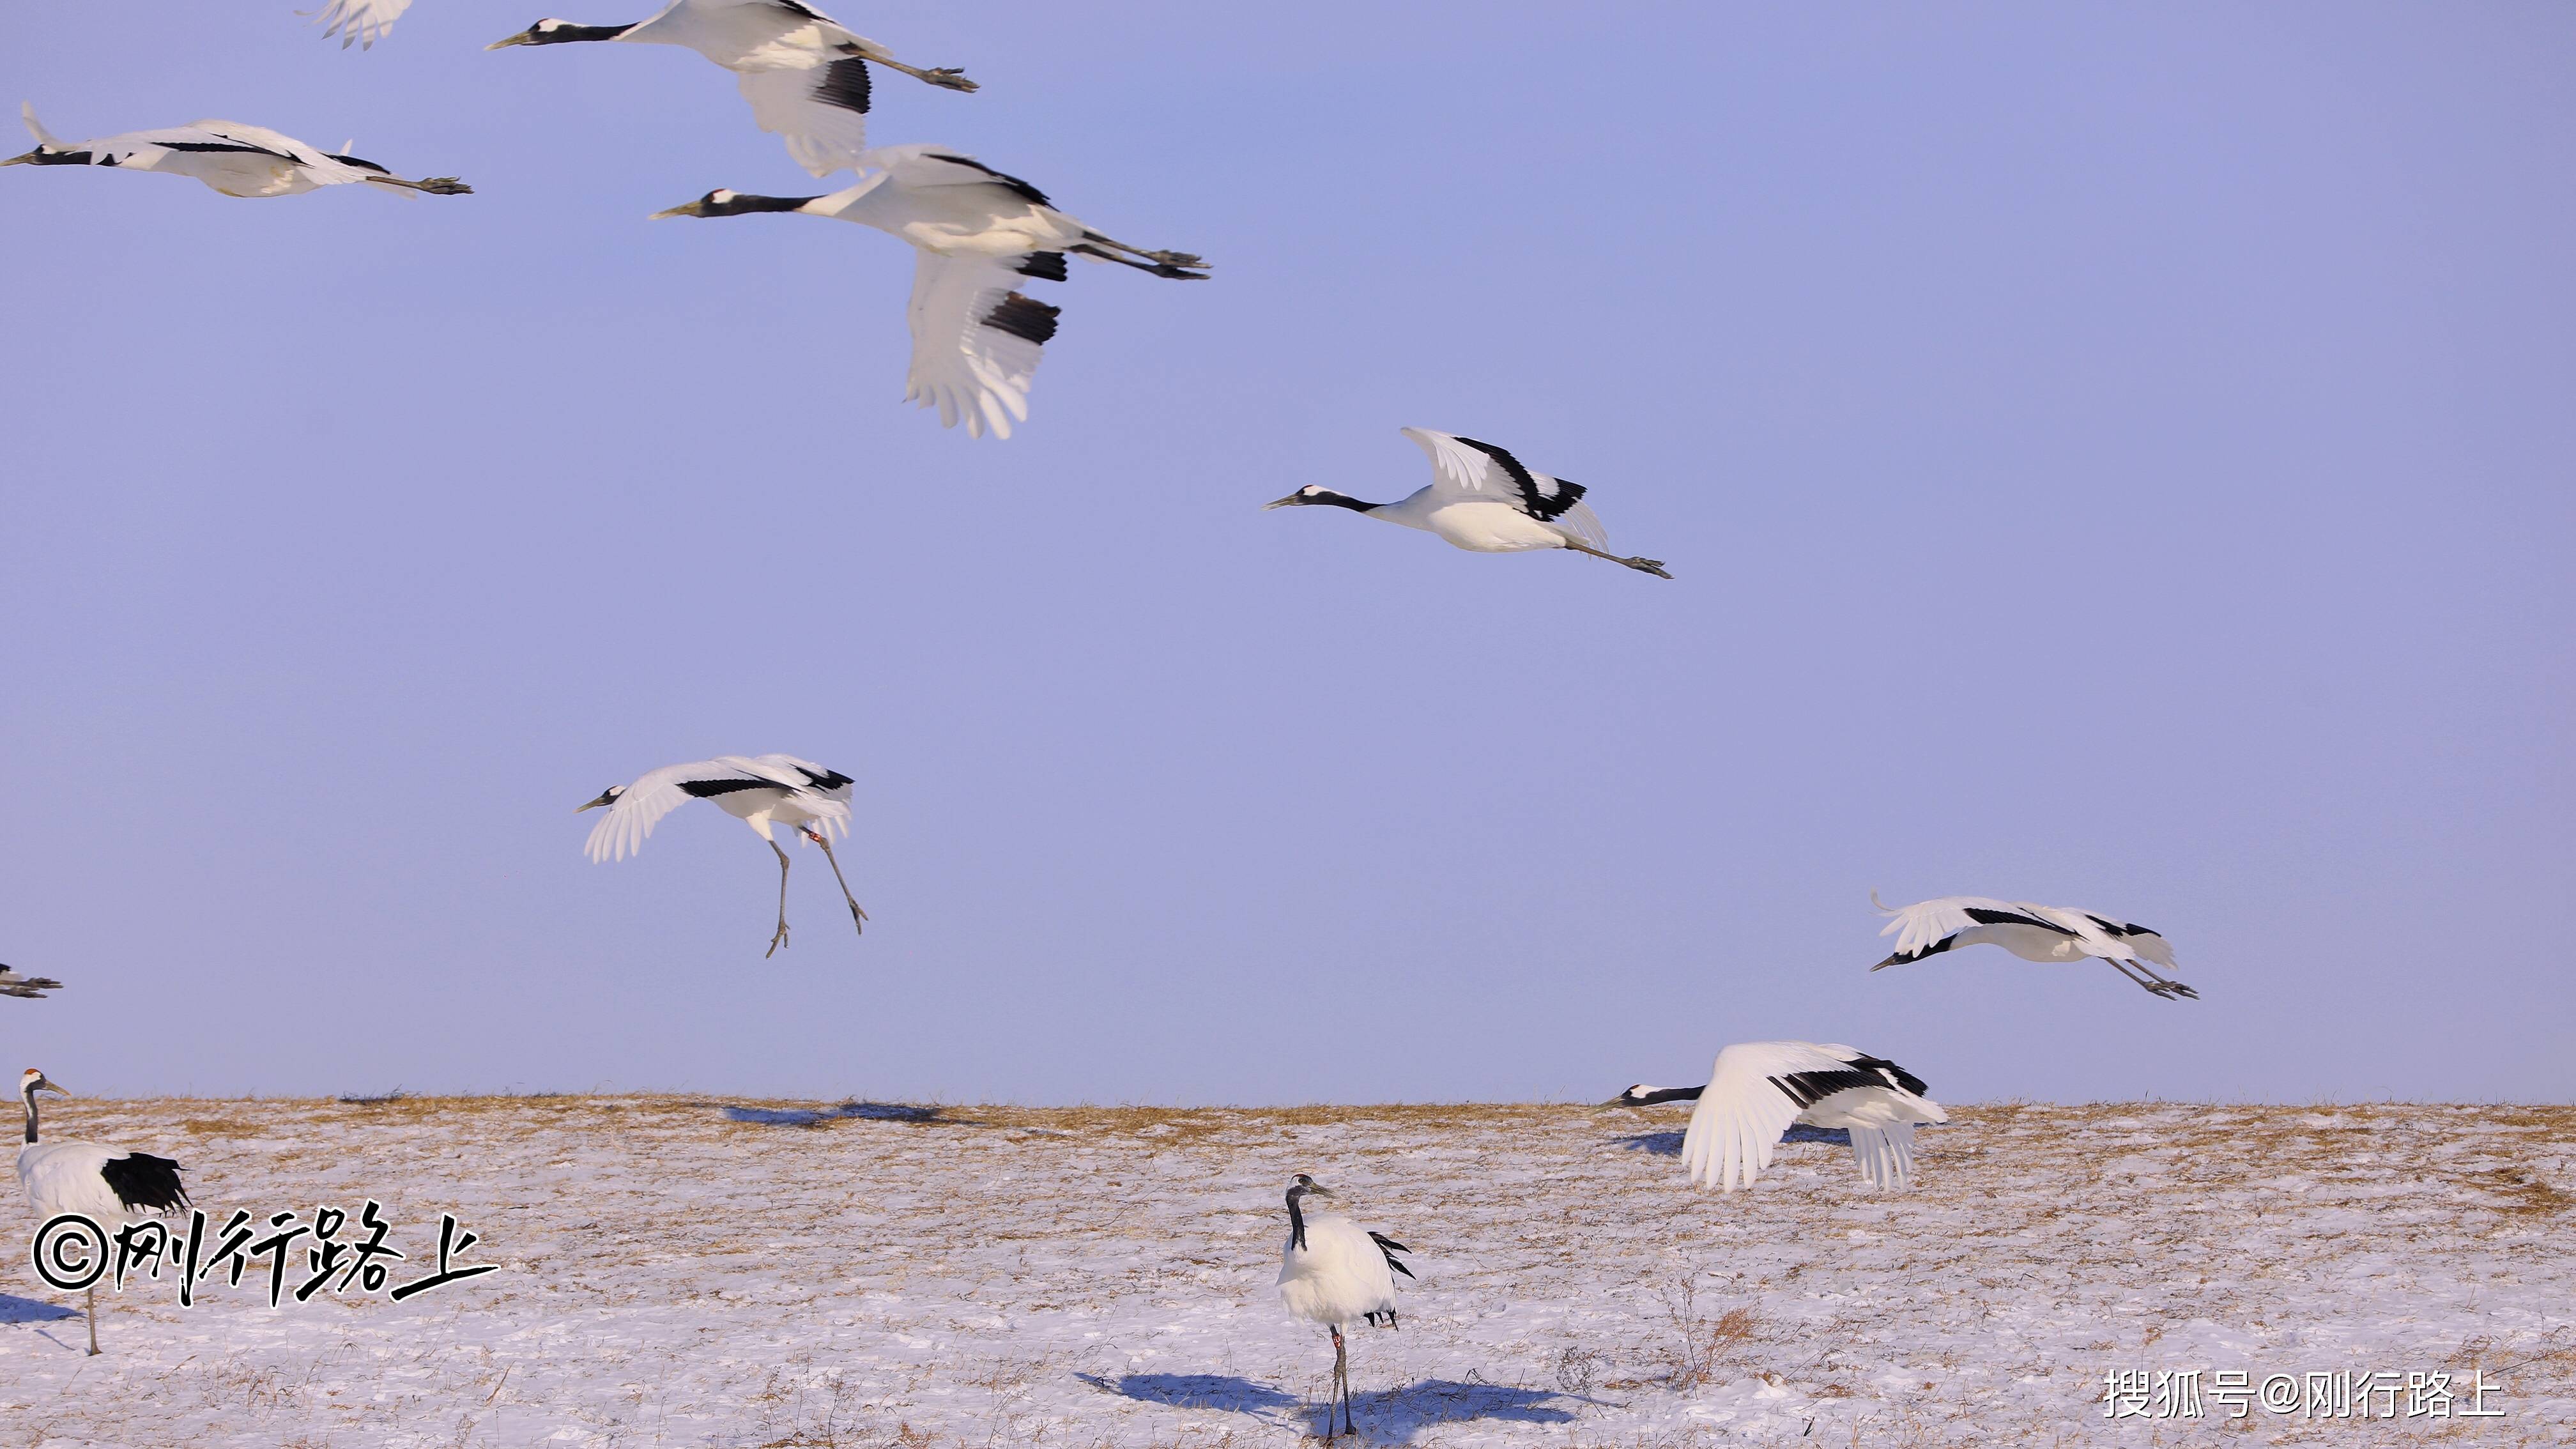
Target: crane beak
[[595, 804], [522, 38], [25, 160], [1282, 503], [1319, 1190], [46, 1084], [694, 208], [1890, 961]]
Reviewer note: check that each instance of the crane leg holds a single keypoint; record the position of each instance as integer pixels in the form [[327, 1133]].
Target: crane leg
[[781, 938], [1653, 566], [2166, 986], [946, 77], [435, 185], [2156, 987], [1178, 272], [93, 1320], [1341, 1385], [858, 917], [1169, 259]]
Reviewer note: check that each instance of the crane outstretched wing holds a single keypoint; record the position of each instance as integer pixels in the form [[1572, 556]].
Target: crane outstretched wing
[[640, 806], [826, 793], [1465, 467], [1885, 1153], [976, 337], [1925, 924], [1755, 1091], [922, 167], [822, 111], [358, 22], [2140, 941], [807, 774]]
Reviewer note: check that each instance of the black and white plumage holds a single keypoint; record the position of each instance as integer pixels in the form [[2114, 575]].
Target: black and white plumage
[[978, 235], [1758, 1090], [759, 790], [109, 1185], [1484, 500], [1334, 1272], [228, 156], [805, 75], [31, 987], [2032, 932]]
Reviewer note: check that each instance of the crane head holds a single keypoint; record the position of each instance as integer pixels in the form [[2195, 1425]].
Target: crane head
[[544, 32], [1317, 493], [32, 1081], [606, 797]]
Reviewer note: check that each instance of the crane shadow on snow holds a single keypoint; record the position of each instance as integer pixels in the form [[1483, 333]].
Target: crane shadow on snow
[[28, 1310], [1391, 1416], [1197, 1391], [817, 1116], [1669, 1144]]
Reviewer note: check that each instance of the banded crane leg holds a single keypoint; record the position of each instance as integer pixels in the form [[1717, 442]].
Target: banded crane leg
[[1653, 566], [858, 917], [781, 938]]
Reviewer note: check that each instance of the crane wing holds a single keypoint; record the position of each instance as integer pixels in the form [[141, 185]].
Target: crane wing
[[2139, 940], [107, 1183], [1926, 924], [1884, 1154], [822, 111], [975, 337], [1467, 468], [640, 806], [359, 22], [1755, 1091], [825, 792], [929, 166], [806, 775]]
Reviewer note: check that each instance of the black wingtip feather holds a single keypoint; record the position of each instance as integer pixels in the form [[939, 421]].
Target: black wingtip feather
[[1019, 188], [1525, 483], [1024, 317], [1903, 1078], [844, 84]]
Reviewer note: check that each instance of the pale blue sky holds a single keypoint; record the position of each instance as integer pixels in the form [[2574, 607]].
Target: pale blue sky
[[2111, 456]]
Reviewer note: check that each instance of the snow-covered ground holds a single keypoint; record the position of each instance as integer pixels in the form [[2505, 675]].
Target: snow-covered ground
[[693, 1272]]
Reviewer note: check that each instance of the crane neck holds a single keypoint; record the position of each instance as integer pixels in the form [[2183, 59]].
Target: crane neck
[[569, 34], [1296, 1214], [1670, 1094], [29, 1096], [1331, 499]]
